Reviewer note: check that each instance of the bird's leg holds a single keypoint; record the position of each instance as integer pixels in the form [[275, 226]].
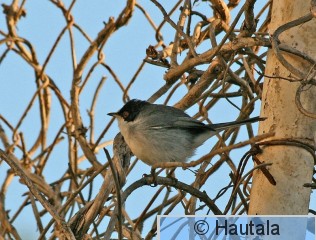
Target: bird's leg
[[171, 174], [153, 175]]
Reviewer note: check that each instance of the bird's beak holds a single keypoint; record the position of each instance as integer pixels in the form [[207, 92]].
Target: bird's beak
[[113, 114]]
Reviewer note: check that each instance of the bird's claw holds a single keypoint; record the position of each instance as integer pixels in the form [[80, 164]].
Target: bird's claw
[[153, 176]]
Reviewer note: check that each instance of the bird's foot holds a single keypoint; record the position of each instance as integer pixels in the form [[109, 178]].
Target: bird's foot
[[153, 176], [171, 174]]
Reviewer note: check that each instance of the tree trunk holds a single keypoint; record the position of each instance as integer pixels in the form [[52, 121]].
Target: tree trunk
[[292, 166]]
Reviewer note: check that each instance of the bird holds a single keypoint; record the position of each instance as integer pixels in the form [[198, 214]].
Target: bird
[[158, 133]]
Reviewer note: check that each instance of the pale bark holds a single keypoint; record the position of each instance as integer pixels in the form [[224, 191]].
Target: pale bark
[[292, 166]]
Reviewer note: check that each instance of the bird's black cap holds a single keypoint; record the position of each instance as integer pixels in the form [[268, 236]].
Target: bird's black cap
[[130, 110]]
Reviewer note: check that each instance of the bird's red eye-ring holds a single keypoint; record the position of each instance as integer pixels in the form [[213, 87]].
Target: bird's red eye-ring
[[125, 114]]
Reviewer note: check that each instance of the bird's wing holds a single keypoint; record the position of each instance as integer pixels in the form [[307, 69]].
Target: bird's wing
[[184, 123], [165, 117]]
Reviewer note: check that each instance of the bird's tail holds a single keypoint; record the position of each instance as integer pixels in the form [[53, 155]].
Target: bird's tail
[[223, 126]]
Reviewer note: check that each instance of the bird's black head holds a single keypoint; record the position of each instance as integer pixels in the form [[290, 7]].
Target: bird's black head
[[130, 110]]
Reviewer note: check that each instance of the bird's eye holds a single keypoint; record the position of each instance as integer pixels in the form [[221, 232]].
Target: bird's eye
[[125, 114]]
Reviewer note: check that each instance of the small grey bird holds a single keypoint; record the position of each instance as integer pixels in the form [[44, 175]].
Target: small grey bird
[[158, 133]]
